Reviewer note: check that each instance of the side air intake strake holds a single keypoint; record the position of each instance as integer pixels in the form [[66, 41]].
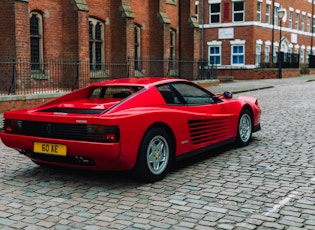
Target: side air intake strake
[[203, 131]]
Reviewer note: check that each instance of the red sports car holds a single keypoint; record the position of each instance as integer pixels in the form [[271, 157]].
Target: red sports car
[[144, 124]]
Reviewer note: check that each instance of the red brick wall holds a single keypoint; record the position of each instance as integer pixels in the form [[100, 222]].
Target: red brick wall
[[22, 33], [66, 37], [143, 14], [20, 104], [254, 32], [66, 30], [52, 12], [252, 74], [118, 32], [102, 11], [7, 30]]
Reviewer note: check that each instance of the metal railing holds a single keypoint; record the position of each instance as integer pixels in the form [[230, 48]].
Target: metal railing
[[20, 77], [288, 60]]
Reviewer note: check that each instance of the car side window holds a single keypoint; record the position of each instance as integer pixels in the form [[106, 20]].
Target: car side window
[[168, 95], [113, 92], [192, 94], [96, 92]]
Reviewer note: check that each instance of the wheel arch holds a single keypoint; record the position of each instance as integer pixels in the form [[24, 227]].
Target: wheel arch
[[244, 134], [142, 169], [168, 130], [249, 108]]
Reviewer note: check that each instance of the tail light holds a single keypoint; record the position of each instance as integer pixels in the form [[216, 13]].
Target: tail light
[[12, 126], [104, 133]]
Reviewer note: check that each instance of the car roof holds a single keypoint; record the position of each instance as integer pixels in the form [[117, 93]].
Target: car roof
[[146, 81]]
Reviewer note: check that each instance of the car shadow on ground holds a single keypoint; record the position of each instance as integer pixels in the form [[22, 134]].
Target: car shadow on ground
[[209, 155], [201, 157], [106, 178], [74, 177]]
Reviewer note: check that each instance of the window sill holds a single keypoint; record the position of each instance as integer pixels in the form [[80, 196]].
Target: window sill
[[139, 73], [40, 74], [99, 74]]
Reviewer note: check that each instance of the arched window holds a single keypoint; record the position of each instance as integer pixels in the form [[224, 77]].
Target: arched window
[[172, 49], [36, 33], [137, 47], [96, 37]]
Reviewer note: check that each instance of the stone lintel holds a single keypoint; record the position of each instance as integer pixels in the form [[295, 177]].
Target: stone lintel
[[164, 18], [127, 11], [80, 5]]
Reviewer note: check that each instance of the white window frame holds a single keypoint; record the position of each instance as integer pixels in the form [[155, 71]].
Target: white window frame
[[308, 27], [290, 49], [197, 10], [275, 51], [258, 54], [238, 43], [268, 8], [290, 19], [297, 19], [216, 13], [238, 12], [215, 44], [267, 53], [215, 55], [259, 9], [303, 22]]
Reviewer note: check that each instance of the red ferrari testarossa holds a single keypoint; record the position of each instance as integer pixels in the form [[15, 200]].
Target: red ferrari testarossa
[[144, 124]]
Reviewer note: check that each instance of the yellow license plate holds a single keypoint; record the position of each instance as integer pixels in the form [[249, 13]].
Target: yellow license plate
[[49, 148]]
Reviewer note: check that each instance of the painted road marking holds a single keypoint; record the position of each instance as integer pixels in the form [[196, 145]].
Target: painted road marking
[[284, 201]]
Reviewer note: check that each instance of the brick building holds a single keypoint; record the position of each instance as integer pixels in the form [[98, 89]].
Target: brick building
[[97, 34], [240, 35]]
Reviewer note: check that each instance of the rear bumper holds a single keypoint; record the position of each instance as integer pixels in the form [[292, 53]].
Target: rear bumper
[[80, 154]]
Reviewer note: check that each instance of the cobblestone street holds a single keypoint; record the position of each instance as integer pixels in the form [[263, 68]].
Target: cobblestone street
[[269, 184]]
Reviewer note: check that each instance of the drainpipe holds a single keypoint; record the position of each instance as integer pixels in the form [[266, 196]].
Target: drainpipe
[[312, 27], [202, 37], [273, 29]]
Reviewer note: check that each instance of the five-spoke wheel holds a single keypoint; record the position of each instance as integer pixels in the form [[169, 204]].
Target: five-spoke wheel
[[245, 128], [155, 155]]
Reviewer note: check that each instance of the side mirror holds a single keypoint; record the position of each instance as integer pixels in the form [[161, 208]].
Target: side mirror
[[227, 95]]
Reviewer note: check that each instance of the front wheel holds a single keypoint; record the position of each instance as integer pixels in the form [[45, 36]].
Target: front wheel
[[245, 128], [155, 156]]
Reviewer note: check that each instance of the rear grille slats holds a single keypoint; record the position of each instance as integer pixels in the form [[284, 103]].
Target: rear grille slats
[[79, 132], [55, 130], [208, 130]]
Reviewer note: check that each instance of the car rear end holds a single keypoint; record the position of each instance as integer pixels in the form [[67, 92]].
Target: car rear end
[[63, 139]]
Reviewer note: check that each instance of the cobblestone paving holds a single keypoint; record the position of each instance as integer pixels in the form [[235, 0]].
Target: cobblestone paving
[[266, 185]]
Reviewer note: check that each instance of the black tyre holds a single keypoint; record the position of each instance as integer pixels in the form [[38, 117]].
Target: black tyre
[[155, 156], [245, 128]]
